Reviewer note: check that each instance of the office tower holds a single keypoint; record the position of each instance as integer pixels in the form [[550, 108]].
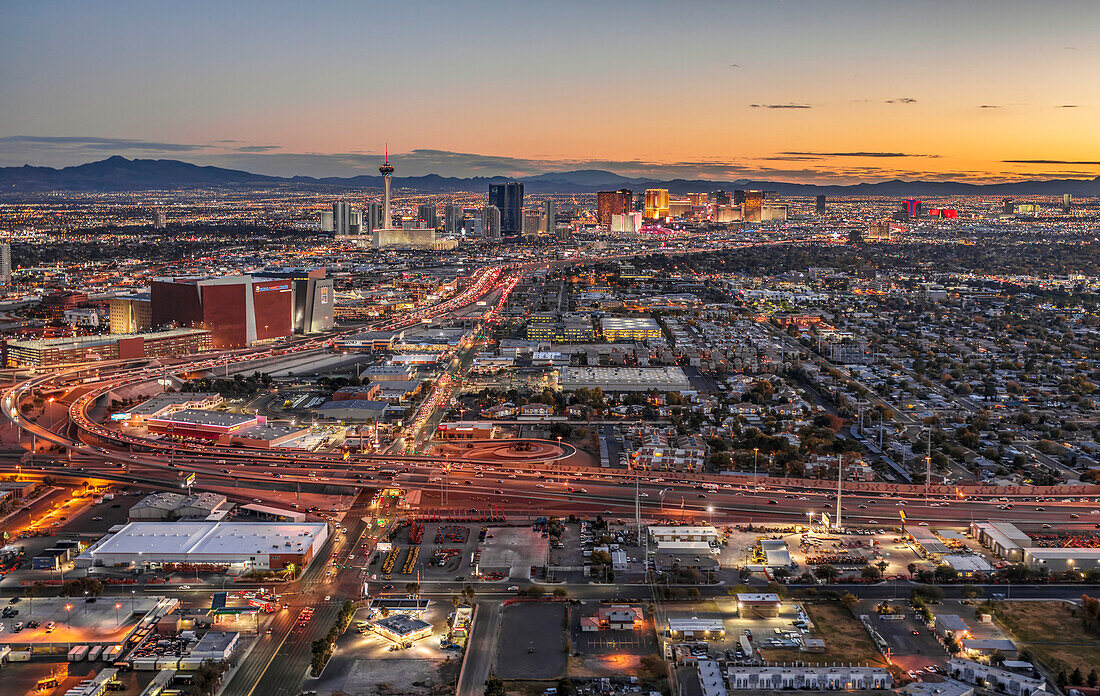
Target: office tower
[[341, 217], [326, 218], [159, 219], [752, 203], [656, 203], [1067, 203], [550, 209], [738, 197], [471, 227], [312, 301], [425, 212], [452, 219], [720, 197], [355, 222], [508, 198], [610, 203], [490, 221], [5, 263], [387, 175], [819, 205], [913, 208], [698, 199], [373, 217]]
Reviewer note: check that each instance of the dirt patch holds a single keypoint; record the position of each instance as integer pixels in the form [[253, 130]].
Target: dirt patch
[[532, 641], [1051, 632], [846, 639]]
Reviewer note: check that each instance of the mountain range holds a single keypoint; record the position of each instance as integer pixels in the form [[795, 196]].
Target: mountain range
[[121, 174]]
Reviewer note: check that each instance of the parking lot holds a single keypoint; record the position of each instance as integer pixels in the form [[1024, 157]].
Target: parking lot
[[912, 644], [531, 643]]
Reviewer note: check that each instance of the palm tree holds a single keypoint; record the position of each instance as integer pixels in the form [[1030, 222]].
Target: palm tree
[[912, 568]]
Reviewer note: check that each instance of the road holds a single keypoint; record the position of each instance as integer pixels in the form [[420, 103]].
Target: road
[[481, 648]]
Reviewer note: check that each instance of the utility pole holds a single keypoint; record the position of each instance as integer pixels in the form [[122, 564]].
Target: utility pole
[[839, 482]]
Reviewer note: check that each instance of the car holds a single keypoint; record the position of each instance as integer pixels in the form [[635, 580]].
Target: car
[[1040, 508], [97, 518], [773, 502], [1074, 516], [513, 588], [14, 600], [50, 626], [328, 598], [916, 633], [184, 587]]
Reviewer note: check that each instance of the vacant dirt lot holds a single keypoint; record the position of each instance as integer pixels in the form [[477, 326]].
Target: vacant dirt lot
[[1051, 632], [845, 639]]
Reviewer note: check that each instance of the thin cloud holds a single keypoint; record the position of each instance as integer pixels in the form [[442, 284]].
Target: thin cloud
[[885, 155], [1066, 106], [903, 100], [990, 106], [1048, 161], [257, 148], [781, 106], [95, 143]]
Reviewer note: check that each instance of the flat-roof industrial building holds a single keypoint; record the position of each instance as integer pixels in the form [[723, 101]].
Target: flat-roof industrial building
[[241, 545], [625, 379]]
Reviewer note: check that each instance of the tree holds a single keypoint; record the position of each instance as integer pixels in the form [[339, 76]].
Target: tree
[[494, 687], [1093, 679], [850, 601], [912, 568], [1077, 678], [827, 572], [871, 573], [654, 666], [971, 592]]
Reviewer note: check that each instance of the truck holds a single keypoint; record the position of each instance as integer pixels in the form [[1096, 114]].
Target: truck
[[94, 653], [78, 653], [709, 486]]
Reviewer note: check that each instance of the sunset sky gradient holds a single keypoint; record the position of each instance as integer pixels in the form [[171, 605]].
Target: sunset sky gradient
[[788, 90]]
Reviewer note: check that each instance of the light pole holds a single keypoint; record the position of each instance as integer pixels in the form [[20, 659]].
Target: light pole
[[68, 615], [755, 451], [117, 607]]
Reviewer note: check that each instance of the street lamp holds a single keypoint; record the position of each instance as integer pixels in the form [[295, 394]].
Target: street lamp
[[755, 451], [117, 607], [68, 615]]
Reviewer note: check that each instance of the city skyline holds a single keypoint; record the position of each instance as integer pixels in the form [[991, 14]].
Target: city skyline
[[835, 92]]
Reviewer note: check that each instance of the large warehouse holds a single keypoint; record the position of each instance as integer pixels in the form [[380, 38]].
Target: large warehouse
[[239, 545], [625, 379]]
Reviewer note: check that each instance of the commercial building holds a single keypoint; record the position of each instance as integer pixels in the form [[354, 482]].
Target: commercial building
[[402, 628], [1062, 559], [238, 310], [5, 263], [611, 203], [49, 352], [630, 328], [760, 604], [508, 199], [208, 425], [802, 678], [625, 379], [239, 545], [166, 506], [131, 314], [626, 223], [995, 679], [1002, 538], [490, 222], [388, 238], [951, 626], [312, 298], [696, 629], [167, 404], [656, 204], [711, 681], [705, 533]]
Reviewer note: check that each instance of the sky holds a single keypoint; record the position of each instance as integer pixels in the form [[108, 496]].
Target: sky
[[834, 91]]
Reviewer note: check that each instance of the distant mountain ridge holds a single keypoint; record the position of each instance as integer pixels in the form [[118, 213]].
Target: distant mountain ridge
[[116, 174]]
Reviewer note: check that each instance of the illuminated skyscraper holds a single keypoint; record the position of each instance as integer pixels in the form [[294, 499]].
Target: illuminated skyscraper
[[913, 208], [508, 198], [341, 217], [5, 263], [425, 212], [738, 196], [819, 205], [372, 218], [656, 203], [452, 218], [550, 210], [490, 222], [610, 203], [753, 202], [1067, 203]]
